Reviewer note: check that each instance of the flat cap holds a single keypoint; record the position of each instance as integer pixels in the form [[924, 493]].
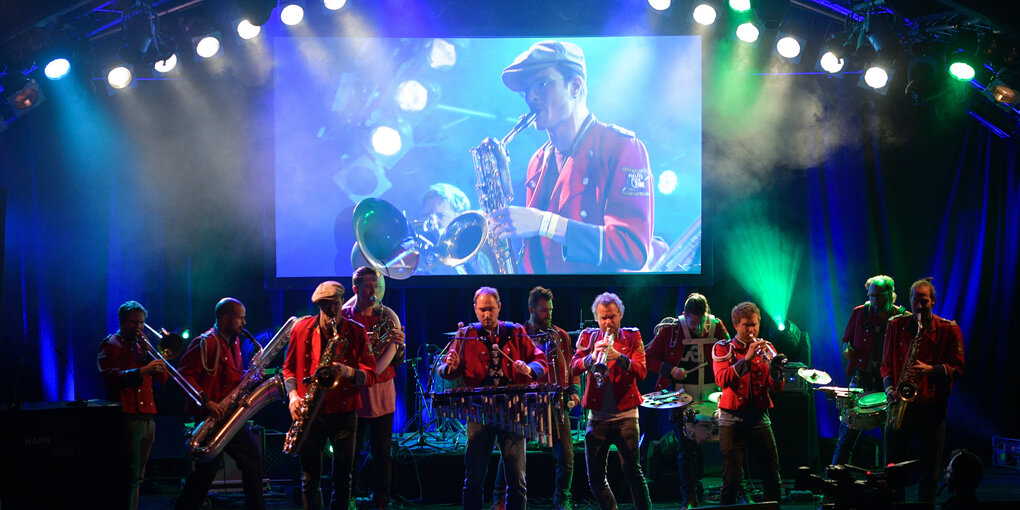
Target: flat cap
[[328, 290], [540, 55]]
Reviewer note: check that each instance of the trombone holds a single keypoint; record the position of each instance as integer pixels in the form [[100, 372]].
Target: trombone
[[171, 345]]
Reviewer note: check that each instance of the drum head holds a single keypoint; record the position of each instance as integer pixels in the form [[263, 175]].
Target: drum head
[[872, 400]]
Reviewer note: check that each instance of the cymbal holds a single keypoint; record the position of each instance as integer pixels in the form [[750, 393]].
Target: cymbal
[[814, 376], [714, 397], [666, 399]]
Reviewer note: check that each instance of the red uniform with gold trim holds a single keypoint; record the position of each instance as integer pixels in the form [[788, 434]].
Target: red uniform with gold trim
[[212, 365], [745, 384], [622, 382], [674, 347], [860, 334], [564, 352], [118, 361], [941, 346], [475, 356], [303, 356], [605, 187]]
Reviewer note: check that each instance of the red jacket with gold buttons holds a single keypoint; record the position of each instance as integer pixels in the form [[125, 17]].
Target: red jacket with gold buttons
[[118, 361], [213, 366], [860, 333], [473, 347], [745, 384], [941, 346], [303, 355], [623, 382]]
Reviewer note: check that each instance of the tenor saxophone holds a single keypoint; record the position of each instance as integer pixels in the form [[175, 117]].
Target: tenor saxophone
[[323, 380], [252, 394], [495, 190], [906, 386]]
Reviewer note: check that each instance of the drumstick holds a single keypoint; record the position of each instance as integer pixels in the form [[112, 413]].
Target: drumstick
[[699, 367]]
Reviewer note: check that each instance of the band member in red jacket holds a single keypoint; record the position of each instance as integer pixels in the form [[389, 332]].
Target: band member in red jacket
[[212, 364], [337, 420], [937, 362], [481, 354], [681, 354], [616, 358], [128, 373], [589, 205], [746, 379], [863, 345]]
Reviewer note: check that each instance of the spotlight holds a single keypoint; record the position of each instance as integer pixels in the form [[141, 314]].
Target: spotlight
[[166, 65], [878, 30], [119, 77], [771, 13], [876, 77], [22, 94], [257, 12], [292, 14], [659, 5], [57, 68], [740, 5], [924, 83], [246, 30], [207, 46], [334, 5], [442, 54], [1003, 87], [747, 32], [830, 63], [961, 71], [789, 46], [412, 96], [667, 182], [386, 140], [704, 14]]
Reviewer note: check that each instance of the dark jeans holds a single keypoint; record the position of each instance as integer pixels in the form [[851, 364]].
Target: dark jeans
[[138, 431], [340, 430], [480, 439], [245, 451], [597, 440], [733, 443], [378, 432], [927, 424], [563, 453], [688, 460], [847, 439]]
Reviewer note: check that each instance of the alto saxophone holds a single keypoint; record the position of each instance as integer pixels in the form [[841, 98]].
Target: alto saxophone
[[906, 386], [495, 191], [252, 394], [323, 380]]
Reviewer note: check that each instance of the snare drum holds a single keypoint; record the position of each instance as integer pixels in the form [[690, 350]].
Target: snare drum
[[701, 422], [868, 412]]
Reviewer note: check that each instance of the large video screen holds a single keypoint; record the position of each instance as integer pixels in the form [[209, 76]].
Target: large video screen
[[391, 152]]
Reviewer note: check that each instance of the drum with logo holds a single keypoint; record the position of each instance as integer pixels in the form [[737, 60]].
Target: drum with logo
[[701, 421], [868, 412]]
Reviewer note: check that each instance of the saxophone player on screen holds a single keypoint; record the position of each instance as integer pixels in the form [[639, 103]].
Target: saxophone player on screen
[[923, 355], [331, 388], [588, 207]]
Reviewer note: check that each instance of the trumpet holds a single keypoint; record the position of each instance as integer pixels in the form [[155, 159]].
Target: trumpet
[[769, 353], [170, 345], [600, 365]]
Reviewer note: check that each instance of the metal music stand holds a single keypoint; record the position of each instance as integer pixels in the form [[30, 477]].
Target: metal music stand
[[440, 430]]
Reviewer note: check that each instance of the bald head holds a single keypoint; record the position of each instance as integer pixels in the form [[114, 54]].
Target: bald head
[[230, 316]]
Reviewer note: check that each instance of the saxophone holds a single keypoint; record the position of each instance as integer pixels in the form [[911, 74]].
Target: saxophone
[[495, 191], [323, 380], [252, 394], [906, 387]]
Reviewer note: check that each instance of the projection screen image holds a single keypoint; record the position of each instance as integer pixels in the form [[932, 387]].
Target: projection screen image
[[430, 157]]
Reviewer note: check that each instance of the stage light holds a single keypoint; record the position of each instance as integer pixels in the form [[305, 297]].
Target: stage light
[[771, 13], [386, 140], [659, 5], [245, 29], [21, 93], [57, 68], [961, 71], [257, 12], [119, 77], [924, 79], [166, 65], [879, 31], [780, 324], [876, 77], [788, 47], [442, 54], [292, 14], [412, 96], [208, 46], [830, 62], [747, 32], [186, 334], [740, 5], [334, 5], [667, 182], [704, 14]]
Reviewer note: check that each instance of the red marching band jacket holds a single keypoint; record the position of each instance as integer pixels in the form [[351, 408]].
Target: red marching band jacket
[[745, 385], [474, 354], [860, 334], [622, 382], [941, 346], [118, 362], [668, 351], [213, 366], [303, 354]]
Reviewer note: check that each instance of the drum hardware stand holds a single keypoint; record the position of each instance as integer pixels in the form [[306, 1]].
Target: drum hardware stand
[[436, 428]]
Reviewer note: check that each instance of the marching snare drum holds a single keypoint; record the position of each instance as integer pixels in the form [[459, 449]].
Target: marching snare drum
[[867, 413], [701, 422]]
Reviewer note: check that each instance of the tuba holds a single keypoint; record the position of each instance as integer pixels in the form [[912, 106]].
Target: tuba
[[324, 379], [249, 397], [495, 191], [906, 386]]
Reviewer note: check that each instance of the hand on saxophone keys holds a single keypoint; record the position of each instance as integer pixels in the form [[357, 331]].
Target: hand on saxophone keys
[[294, 405], [215, 409], [920, 368]]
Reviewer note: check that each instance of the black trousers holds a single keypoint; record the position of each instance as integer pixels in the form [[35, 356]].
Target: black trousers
[[339, 429], [245, 451], [378, 432], [733, 442], [597, 440], [925, 424]]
